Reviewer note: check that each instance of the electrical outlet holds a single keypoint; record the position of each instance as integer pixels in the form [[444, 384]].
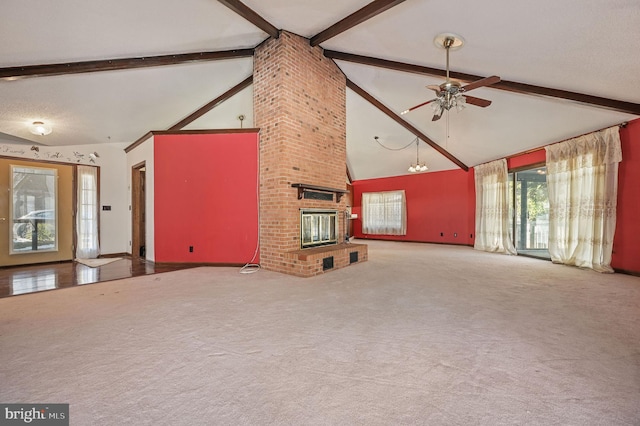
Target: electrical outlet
[[442, 234], [455, 235], [190, 249]]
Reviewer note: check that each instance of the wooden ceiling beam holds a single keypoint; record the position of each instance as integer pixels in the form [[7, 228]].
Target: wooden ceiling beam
[[251, 16], [47, 70], [510, 86], [211, 105], [369, 11], [351, 85]]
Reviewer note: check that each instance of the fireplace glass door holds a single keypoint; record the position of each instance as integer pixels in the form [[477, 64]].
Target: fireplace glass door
[[318, 228]]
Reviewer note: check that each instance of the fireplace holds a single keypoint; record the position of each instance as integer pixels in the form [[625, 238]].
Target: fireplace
[[318, 227]]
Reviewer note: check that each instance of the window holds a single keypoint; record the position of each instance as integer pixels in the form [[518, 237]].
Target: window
[[384, 213], [33, 210], [87, 215]]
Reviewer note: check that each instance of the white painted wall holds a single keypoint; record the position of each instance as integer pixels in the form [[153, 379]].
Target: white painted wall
[[114, 236], [143, 152]]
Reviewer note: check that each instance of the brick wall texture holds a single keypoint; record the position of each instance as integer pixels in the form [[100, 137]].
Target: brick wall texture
[[300, 109]]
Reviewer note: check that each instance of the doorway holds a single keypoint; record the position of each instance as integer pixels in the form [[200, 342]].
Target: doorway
[[529, 211], [138, 211]]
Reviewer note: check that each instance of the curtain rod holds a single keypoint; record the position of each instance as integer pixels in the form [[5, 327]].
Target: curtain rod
[[620, 125]]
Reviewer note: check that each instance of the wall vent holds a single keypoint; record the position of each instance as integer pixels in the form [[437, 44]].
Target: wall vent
[[353, 257], [327, 263]]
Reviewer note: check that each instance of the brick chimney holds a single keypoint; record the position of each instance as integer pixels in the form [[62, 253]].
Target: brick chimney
[[299, 99]]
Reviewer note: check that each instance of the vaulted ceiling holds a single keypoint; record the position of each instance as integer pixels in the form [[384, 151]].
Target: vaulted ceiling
[[109, 72]]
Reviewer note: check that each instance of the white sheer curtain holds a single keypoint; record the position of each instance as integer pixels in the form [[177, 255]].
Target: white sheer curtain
[[384, 213], [87, 213], [492, 208], [582, 178]]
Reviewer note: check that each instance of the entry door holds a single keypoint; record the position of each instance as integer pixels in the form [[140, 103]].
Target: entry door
[[530, 212], [18, 223]]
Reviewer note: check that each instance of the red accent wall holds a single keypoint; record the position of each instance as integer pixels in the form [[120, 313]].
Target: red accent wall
[[539, 156], [626, 243], [437, 203], [445, 202], [205, 192]]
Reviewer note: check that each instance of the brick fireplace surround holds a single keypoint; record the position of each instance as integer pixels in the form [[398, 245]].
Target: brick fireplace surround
[[300, 108]]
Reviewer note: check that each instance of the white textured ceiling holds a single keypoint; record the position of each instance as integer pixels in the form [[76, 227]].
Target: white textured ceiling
[[585, 46]]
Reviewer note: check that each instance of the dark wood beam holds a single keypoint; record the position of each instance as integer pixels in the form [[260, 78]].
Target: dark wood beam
[[351, 85], [208, 107], [510, 86], [384, 63], [251, 16], [46, 70], [369, 11]]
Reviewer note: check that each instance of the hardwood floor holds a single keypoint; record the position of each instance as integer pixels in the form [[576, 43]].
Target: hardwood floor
[[17, 280]]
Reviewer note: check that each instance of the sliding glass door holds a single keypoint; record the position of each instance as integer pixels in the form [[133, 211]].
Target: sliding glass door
[[529, 207]]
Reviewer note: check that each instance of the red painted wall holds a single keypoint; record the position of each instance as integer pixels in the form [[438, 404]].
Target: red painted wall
[[626, 243], [206, 197], [439, 202], [445, 202], [539, 156]]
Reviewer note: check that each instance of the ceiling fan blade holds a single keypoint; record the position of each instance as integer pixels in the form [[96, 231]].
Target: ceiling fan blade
[[477, 101], [487, 81], [417, 106], [436, 116], [435, 88]]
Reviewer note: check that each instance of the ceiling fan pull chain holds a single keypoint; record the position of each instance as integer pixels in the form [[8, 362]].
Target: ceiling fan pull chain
[[446, 141]]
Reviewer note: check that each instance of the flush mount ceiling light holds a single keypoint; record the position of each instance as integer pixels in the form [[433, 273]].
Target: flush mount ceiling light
[[40, 128]]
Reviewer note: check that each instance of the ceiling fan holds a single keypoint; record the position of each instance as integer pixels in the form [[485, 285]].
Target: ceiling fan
[[450, 93]]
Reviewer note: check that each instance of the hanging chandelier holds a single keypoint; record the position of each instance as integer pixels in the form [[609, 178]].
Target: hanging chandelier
[[413, 168], [418, 166]]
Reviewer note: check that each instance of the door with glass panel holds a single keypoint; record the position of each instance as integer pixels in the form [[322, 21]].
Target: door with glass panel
[[529, 208], [36, 212]]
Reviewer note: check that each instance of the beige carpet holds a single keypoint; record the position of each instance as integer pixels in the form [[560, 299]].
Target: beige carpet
[[95, 263], [420, 334]]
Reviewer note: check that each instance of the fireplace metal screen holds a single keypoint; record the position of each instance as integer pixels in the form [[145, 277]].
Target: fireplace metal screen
[[318, 228]]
